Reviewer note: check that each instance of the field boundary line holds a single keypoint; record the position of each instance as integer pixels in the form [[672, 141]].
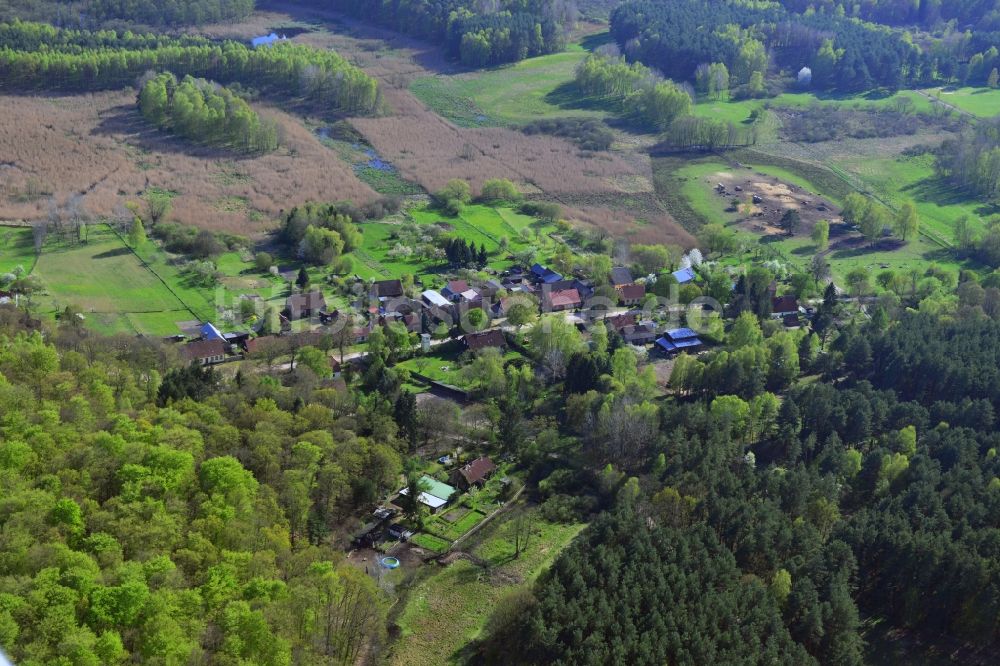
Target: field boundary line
[[145, 264]]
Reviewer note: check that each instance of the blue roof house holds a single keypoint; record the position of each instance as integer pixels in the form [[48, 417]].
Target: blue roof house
[[684, 275], [545, 275], [210, 332]]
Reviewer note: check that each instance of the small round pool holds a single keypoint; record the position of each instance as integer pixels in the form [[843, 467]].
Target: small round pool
[[389, 562]]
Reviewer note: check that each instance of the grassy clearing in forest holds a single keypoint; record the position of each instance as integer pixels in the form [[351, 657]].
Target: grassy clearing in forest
[[448, 608], [535, 88]]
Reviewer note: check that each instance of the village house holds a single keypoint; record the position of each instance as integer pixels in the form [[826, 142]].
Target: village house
[[563, 299], [621, 276], [473, 474], [204, 352], [684, 275], [784, 306], [544, 275], [454, 289], [631, 294], [473, 342], [300, 306], [639, 334], [679, 339], [383, 289], [435, 494]]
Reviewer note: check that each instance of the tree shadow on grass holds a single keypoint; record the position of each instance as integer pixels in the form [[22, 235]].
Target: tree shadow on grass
[[567, 95], [109, 254], [939, 191]]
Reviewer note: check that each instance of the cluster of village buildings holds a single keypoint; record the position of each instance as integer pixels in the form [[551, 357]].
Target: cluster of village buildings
[[387, 303]]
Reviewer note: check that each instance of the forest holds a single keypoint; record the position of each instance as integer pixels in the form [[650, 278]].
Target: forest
[[974, 14], [202, 111], [873, 491], [39, 57], [133, 534], [513, 31], [178, 12], [844, 55]]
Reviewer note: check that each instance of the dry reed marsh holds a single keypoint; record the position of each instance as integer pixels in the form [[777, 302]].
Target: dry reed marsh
[[97, 147]]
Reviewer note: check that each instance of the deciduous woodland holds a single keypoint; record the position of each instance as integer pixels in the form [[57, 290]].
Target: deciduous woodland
[[39, 57], [518, 30], [200, 110]]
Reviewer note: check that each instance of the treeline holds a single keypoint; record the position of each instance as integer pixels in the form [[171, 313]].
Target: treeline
[[80, 61], [974, 14], [843, 54], [205, 112], [177, 12], [708, 134], [648, 99], [514, 30], [971, 161], [162, 515]]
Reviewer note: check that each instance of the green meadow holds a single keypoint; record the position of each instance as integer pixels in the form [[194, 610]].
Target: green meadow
[[535, 88], [115, 290], [17, 248], [982, 102], [739, 111]]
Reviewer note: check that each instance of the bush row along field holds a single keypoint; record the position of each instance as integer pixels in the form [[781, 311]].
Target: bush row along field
[[739, 111], [448, 608]]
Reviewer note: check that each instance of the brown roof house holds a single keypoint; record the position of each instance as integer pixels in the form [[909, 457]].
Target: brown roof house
[[631, 294], [564, 299], [473, 473], [299, 306], [204, 352], [387, 289], [782, 306], [492, 338]]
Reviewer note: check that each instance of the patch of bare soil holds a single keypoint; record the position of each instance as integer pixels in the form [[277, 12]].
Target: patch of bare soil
[[763, 200], [98, 148]]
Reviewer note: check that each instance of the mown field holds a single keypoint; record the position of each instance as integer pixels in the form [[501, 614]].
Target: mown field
[[982, 102], [535, 88], [444, 611], [117, 291]]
